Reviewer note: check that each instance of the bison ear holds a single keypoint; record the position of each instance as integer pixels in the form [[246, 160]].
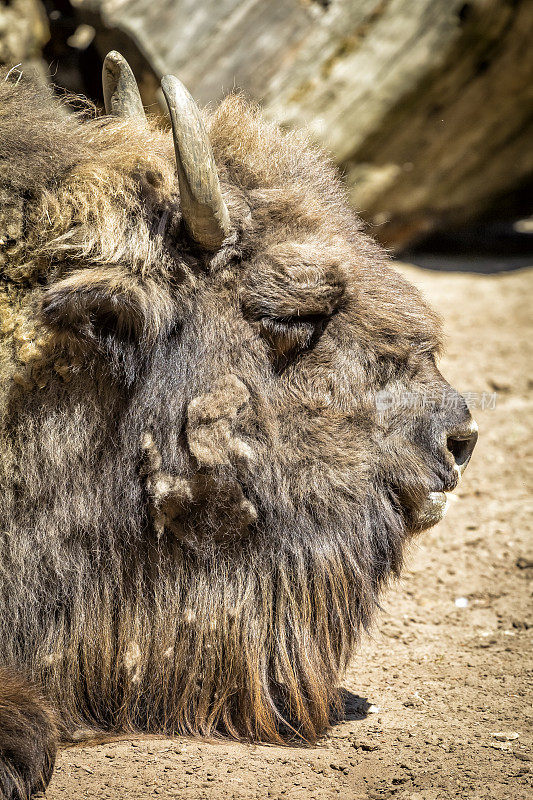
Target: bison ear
[[94, 303]]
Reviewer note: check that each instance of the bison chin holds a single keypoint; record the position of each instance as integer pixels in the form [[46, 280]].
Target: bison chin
[[432, 510], [424, 509]]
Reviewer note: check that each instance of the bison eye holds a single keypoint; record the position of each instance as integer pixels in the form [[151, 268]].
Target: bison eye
[[291, 334]]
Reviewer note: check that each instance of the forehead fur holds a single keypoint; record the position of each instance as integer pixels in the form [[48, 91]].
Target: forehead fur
[[77, 189], [109, 174]]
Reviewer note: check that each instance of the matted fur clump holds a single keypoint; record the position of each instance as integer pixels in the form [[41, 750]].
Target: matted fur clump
[[201, 494]]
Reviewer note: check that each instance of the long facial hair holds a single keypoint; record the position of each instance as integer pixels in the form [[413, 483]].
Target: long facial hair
[[129, 628]]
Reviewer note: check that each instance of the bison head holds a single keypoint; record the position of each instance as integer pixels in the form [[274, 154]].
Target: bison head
[[225, 419]]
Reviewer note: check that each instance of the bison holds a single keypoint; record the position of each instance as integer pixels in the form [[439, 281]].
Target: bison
[[221, 422]]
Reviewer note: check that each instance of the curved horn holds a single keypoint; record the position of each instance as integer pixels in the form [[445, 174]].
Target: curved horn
[[121, 94], [202, 205]]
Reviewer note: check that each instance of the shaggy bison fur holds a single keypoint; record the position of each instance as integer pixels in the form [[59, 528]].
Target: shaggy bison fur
[[207, 470]]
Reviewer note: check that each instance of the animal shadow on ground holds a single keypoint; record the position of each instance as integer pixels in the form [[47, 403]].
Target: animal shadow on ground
[[352, 708], [355, 707]]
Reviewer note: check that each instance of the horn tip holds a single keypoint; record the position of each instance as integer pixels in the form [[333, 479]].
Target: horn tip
[[172, 86], [111, 68], [114, 57], [167, 84], [121, 93]]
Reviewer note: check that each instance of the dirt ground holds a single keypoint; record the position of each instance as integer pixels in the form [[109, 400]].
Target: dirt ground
[[437, 702]]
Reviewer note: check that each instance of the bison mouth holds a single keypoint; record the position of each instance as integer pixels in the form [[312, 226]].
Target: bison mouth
[[422, 509], [431, 511]]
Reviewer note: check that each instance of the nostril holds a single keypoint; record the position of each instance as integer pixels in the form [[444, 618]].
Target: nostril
[[461, 448]]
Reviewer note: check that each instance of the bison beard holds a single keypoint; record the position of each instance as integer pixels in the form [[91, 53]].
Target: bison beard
[[133, 628], [201, 490]]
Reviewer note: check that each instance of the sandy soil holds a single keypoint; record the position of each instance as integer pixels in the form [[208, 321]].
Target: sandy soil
[[437, 700]]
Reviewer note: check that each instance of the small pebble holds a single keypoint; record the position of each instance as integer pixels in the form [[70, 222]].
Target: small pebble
[[505, 736], [461, 602]]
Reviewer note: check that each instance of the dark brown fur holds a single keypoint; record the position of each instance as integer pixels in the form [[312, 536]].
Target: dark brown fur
[[28, 738], [199, 499]]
